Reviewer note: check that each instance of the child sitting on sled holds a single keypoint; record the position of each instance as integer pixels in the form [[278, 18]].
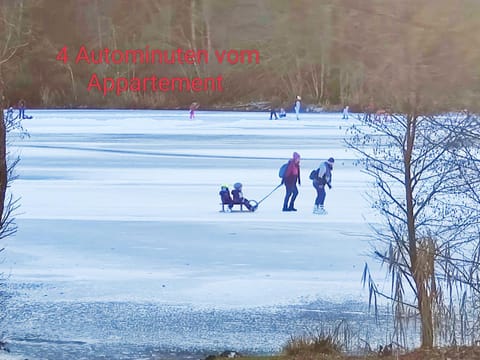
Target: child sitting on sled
[[225, 196], [239, 199]]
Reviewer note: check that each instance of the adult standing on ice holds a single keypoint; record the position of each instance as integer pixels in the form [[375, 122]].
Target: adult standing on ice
[[323, 178], [194, 106], [290, 179], [298, 104]]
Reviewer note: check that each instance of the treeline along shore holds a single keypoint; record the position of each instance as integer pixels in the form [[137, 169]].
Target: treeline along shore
[[158, 54]]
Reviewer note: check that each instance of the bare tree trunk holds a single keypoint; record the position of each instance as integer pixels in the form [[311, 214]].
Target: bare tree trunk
[[421, 277], [407, 158], [426, 288], [208, 36], [72, 79], [315, 82], [426, 313], [20, 18], [192, 24], [99, 27], [322, 80], [3, 152]]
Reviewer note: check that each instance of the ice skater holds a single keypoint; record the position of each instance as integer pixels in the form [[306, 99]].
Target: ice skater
[[323, 178], [193, 107], [345, 113]]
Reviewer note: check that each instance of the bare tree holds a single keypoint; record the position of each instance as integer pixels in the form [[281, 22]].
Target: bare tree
[[424, 163], [13, 40], [426, 180]]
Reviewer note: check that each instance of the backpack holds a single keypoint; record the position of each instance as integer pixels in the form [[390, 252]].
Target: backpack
[[282, 170], [313, 174]]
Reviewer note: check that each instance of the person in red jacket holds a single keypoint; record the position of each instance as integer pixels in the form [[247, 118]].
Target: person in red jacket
[[290, 179]]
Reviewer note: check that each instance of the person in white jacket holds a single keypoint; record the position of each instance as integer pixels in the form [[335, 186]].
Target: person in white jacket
[[298, 104], [323, 178]]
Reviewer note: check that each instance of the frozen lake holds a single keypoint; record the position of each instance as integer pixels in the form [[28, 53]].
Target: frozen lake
[[122, 253]]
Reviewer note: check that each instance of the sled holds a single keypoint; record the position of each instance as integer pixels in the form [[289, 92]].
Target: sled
[[253, 203]]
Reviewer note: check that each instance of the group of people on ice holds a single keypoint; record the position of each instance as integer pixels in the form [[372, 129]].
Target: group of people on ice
[[10, 115], [297, 107], [235, 197], [290, 175], [321, 177], [282, 113], [273, 110]]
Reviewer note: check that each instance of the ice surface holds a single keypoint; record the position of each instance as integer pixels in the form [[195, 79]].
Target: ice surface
[[122, 206]]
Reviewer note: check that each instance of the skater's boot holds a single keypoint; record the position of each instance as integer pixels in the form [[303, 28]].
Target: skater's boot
[[315, 209], [321, 210]]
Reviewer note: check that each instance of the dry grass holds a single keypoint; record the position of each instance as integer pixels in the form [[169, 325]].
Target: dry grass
[[312, 345], [450, 353]]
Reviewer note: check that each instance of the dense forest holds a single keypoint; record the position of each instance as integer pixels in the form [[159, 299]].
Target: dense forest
[[388, 54]]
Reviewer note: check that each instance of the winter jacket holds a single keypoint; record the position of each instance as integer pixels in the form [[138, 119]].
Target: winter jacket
[[292, 174], [237, 196], [225, 196], [325, 174]]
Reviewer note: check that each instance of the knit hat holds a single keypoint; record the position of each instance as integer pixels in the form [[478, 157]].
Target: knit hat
[[237, 186], [296, 156], [331, 160]]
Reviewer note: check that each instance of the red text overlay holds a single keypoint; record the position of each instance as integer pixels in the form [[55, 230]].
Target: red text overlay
[[155, 83]]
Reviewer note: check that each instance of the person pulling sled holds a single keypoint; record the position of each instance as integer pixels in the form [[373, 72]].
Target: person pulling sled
[[290, 174]]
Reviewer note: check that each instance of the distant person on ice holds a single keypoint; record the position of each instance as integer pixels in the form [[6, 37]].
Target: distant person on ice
[[290, 179], [194, 106], [238, 197], [21, 110], [273, 113], [345, 113], [298, 104], [323, 178], [282, 113]]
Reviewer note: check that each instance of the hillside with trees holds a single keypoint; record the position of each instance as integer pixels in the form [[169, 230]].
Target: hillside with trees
[[331, 52]]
